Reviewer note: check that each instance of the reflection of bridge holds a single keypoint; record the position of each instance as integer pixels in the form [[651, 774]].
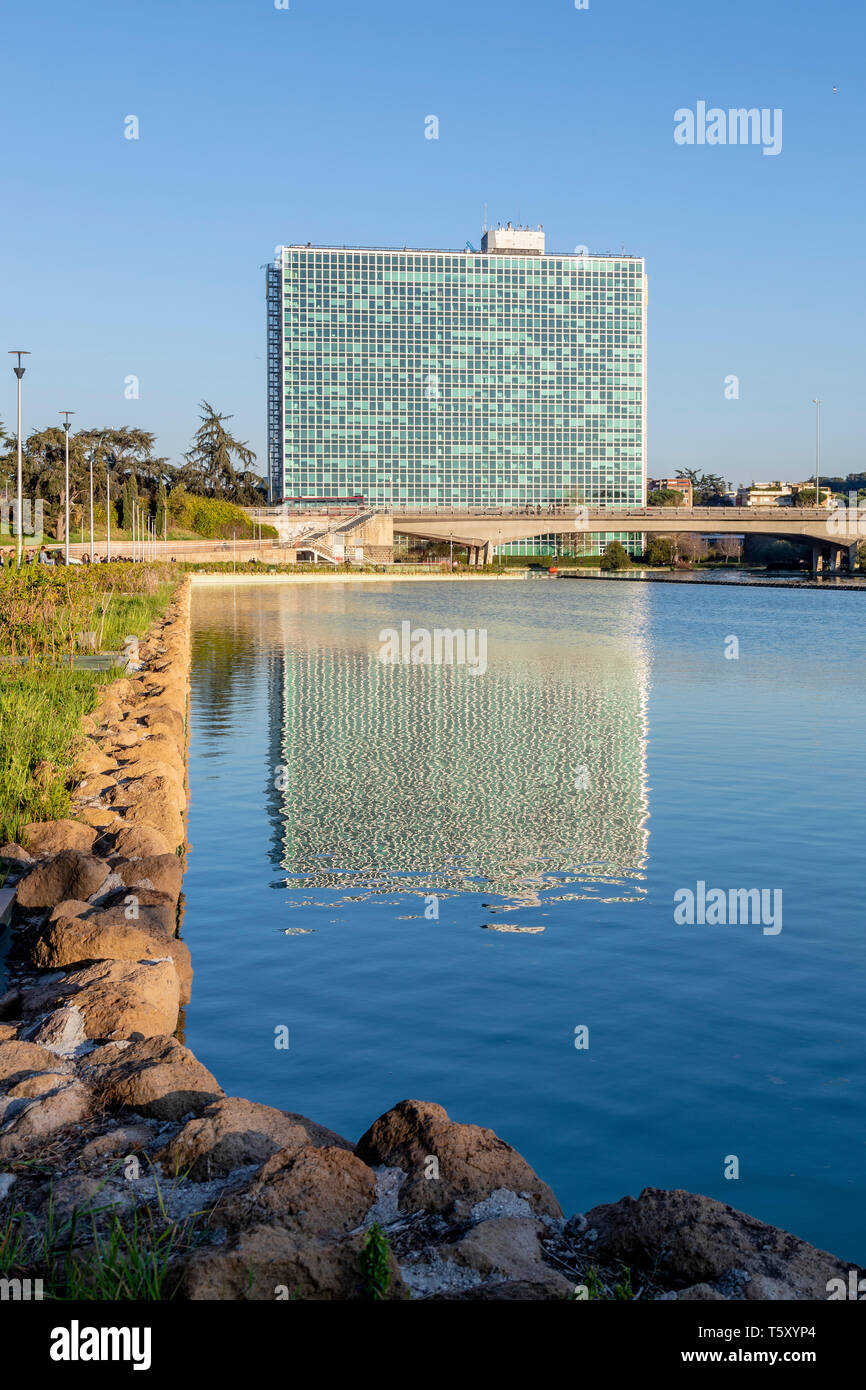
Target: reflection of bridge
[[482, 529]]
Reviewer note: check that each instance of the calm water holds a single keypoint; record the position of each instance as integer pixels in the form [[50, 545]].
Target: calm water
[[609, 755]]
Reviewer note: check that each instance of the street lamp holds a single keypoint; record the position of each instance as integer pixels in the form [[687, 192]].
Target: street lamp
[[19, 372], [817, 404], [108, 509], [67, 413], [91, 504]]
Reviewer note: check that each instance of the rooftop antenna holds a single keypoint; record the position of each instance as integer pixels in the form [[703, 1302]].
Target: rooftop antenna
[[484, 225]]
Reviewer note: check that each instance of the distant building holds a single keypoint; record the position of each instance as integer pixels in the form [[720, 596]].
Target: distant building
[[513, 377], [778, 494], [765, 495], [682, 485]]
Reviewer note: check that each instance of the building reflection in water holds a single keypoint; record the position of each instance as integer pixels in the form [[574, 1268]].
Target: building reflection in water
[[522, 785]]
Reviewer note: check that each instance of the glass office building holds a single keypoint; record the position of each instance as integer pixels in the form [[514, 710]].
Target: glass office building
[[508, 377]]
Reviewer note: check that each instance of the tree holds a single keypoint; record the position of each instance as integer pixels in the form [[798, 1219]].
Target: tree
[[659, 551], [691, 546], [129, 502], [615, 557], [708, 489], [161, 509], [729, 546], [218, 464]]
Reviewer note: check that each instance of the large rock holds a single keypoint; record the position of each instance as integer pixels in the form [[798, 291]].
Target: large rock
[[140, 842], [51, 836], [20, 1059], [27, 1121], [10, 853], [471, 1162], [159, 1078], [150, 905], [70, 874], [163, 713], [692, 1240], [233, 1133], [508, 1247], [161, 871], [267, 1264], [93, 763], [157, 816], [151, 752], [322, 1192], [117, 998], [150, 790], [109, 936]]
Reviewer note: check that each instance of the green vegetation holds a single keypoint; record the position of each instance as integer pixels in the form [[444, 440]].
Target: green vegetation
[[47, 616], [659, 551], [94, 1253], [666, 497], [212, 517], [374, 1263], [615, 557]]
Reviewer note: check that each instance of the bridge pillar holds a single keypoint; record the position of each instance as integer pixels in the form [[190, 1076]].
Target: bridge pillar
[[852, 558], [817, 558]]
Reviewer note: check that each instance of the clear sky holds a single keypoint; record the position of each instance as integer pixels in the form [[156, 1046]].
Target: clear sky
[[260, 125]]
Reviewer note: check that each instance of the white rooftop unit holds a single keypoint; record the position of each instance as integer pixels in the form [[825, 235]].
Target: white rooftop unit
[[510, 241]]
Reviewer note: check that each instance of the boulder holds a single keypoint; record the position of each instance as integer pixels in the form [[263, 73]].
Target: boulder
[[20, 1059], [52, 836], [118, 998], [161, 871], [109, 936], [150, 791], [508, 1247], [153, 907], [151, 752], [165, 819], [94, 785], [267, 1263], [139, 842], [70, 874], [119, 1141], [234, 1133], [93, 763], [471, 1162], [323, 1192], [158, 1077], [67, 1104], [98, 817], [10, 853], [691, 1240]]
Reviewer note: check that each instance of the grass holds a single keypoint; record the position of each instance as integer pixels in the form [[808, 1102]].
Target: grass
[[125, 1260], [42, 700]]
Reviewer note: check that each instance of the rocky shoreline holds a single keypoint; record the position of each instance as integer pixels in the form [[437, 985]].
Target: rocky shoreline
[[104, 1111]]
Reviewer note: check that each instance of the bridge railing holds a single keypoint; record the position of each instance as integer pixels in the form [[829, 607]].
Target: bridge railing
[[557, 509]]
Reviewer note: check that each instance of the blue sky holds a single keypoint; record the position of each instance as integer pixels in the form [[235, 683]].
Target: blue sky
[[257, 126]]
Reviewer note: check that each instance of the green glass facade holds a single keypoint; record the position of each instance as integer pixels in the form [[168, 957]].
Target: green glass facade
[[457, 379]]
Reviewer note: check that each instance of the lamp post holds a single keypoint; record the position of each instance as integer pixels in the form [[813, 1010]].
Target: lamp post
[[19, 372], [67, 413], [817, 404], [91, 504], [108, 510]]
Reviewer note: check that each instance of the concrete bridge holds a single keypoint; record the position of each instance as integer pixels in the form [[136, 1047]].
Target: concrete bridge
[[482, 529]]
